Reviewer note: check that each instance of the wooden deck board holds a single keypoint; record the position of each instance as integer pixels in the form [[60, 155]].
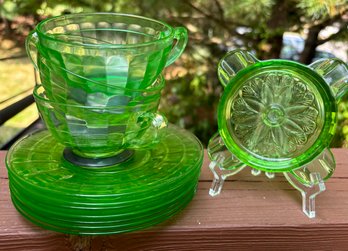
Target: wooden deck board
[[252, 213]]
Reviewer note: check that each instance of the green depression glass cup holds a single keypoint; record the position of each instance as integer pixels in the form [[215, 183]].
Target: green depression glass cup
[[116, 49], [98, 132], [67, 87]]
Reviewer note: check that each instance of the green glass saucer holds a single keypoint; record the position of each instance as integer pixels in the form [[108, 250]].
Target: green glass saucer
[[150, 187]]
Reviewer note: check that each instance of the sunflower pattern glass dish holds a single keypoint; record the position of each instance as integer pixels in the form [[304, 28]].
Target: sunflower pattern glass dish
[[277, 116]]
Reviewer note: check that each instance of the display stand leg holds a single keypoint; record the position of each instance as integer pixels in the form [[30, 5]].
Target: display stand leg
[[223, 163], [220, 175], [308, 191]]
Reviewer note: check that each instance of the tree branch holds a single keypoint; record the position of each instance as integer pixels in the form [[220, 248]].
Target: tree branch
[[220, 9], [332, 20], [342, 30], [223, 23], [312, 40]]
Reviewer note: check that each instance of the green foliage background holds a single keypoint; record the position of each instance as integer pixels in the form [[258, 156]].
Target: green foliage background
[[215, 26]]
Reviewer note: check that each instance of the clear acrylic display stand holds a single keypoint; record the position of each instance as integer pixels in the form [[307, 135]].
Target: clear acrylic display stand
[[307, 179]]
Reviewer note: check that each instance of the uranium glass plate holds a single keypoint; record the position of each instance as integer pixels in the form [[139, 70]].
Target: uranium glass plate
[[148, 188], [47, 222]]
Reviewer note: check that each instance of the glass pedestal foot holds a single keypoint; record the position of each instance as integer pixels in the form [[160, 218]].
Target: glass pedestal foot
[[73, 158]]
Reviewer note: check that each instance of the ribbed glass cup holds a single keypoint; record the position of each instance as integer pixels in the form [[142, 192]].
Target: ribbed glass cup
[[101, 131], [117, 49]]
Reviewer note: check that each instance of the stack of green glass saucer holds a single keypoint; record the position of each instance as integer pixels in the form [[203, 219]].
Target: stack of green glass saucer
[[150, 187]]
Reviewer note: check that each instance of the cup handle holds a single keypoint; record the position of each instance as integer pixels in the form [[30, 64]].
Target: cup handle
[[181, 37], [31, 47], [152, 134], [233, 62], [335, 73]]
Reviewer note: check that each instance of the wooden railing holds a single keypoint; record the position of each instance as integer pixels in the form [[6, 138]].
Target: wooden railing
[[251, 213], [14, 108]]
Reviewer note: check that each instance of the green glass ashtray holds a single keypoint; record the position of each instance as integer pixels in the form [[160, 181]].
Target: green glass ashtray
[[277, 116], [151, 186]]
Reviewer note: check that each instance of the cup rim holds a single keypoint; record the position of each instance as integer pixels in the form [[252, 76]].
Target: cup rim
[[108, 46]]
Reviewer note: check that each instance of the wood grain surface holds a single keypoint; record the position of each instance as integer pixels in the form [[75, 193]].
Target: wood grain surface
[[252, 213]]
